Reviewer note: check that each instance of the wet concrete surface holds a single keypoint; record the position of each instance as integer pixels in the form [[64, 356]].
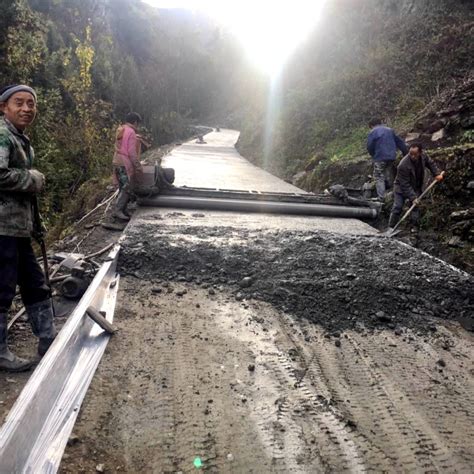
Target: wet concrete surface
[[217, 164], [251, 221]]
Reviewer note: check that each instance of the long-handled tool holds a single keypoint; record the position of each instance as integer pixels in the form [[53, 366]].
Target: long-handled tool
[[38, 235], [394, 231]]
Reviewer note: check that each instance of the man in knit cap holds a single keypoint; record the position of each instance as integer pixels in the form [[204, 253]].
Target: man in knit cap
[[19, 185]]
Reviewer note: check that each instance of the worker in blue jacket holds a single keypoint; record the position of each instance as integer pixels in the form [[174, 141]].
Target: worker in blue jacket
[[382, 145]]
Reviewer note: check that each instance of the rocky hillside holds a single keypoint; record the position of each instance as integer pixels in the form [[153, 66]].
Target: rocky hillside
[[445, 127]]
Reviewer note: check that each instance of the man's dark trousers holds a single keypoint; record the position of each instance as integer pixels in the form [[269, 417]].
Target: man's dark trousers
[[398, 202], [18, 266]]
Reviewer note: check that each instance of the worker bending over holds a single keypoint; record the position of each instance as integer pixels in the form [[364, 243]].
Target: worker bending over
[[126, 163], [382, 144], [409, 182], [19, 185]]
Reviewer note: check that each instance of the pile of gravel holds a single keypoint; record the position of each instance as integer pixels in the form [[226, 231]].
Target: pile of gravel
[[339, 282]]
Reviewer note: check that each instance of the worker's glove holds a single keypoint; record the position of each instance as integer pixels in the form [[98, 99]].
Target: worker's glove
[[440, 177], [38, 180]]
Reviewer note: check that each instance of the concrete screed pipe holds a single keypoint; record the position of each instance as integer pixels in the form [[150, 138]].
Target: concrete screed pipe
[[236, 205]]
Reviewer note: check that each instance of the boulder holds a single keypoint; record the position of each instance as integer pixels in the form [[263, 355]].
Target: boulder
[[297, 177], [455, 242], [412, 137], [436, 125], [462, 228], [439, 135], [460, 215]]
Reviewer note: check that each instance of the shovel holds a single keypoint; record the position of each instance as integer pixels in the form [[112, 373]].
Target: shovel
[[394, 231]]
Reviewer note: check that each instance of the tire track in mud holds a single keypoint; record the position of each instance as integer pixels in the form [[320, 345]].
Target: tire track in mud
[[352, 391], [442, 411], [345, 444], [426, 449], [301, 432], [146, 422], [408, 426], [195, 431], [165, 441]]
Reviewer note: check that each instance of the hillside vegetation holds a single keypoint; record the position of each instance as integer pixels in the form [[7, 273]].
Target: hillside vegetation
[[95, 60], [366, 58]]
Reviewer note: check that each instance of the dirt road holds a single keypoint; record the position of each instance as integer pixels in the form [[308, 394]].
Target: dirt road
[[200, 371], [276, 344]]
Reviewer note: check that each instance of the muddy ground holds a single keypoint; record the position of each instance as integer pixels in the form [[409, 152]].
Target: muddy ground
[[293, 370]]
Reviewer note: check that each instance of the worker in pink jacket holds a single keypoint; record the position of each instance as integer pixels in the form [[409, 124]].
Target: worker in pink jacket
[[126, 163]]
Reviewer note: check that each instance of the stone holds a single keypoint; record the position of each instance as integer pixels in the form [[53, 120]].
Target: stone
[[337, 343], [73, 439], [246, 282], [455, 242], [439, 135], [212, 291], [382, 317], [156, 290], [412, 137], [435, 126], [295, 179], [100, 468], [470, 185], [441, 363], [460, 215], [251, 367]]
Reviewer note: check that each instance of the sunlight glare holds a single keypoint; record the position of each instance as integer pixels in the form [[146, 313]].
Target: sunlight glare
[[268, 30]]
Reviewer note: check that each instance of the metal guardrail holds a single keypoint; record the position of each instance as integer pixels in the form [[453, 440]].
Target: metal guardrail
[[37, 429]]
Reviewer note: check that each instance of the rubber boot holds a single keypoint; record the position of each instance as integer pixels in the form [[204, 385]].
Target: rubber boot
[[42, 324], [121, 205], [9, 362]]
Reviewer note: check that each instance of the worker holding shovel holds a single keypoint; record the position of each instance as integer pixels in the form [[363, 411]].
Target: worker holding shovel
[[409, 183], [19, 187]]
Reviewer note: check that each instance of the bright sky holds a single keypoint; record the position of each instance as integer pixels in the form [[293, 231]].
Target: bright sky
[[269, 30]]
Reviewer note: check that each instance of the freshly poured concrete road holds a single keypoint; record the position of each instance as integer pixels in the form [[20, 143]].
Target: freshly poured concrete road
[[217, 164]]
